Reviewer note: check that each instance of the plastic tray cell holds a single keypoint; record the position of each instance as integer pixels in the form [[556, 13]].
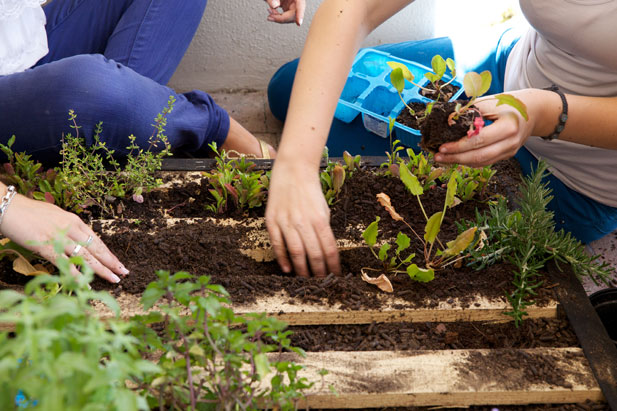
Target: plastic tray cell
[[354, 88]]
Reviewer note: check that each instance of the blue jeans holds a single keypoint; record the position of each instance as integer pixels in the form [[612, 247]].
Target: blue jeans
[[585, 218], [109, 61]]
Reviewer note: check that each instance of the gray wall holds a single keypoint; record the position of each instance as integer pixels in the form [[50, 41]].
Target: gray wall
[[236, 47]]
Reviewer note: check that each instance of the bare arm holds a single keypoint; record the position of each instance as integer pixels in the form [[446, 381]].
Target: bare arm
[[297, 215]]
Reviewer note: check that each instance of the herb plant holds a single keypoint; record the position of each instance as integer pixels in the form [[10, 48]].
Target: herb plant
[[60, 355], [91, 177], [213, 359], [526, 238]]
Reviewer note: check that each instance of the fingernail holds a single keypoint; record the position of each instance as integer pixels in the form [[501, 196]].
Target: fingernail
[[300, 22], [123, 270], [115, 279], [438, 157], [270, 18], [443, 149], [275, 4]]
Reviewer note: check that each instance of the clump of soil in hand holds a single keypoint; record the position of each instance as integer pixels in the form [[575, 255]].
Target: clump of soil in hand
[[436, 131]]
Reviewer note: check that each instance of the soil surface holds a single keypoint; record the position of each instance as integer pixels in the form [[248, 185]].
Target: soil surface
[[204, 248], [434, 336]]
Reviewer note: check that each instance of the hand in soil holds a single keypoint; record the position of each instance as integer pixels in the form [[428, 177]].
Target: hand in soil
[[35, 224], [298, 221], [497, 141]]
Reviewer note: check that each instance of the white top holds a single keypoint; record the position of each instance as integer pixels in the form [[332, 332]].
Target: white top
[[23, 40], [573, 44]]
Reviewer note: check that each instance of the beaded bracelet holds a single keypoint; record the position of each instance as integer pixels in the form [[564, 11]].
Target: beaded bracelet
[[563, 117], [6, 201]]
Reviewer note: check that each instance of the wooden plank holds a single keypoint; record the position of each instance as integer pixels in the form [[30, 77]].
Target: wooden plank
[[441, 378], [595, 341], [295, 312]]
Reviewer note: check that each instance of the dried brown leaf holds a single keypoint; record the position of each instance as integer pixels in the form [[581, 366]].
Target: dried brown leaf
[[384, 200], [382, 282]]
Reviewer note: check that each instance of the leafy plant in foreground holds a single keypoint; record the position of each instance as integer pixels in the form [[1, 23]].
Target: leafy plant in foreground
[[60, 355], [526, 237], [236, 178], [212, 358]]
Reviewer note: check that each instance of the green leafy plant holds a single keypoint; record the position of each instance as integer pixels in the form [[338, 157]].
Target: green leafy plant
[[60, 355], [526, 237], [433, 259], [212, 358], [238, 180], [470, 180], [332, 178]]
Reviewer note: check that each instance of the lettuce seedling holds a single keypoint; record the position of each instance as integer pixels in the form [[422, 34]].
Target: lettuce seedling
[[445, 255]]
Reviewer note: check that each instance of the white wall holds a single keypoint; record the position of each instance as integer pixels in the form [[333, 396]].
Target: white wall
[[235, 46]]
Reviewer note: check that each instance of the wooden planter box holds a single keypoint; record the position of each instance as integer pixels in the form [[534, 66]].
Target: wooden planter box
[[402, 377]]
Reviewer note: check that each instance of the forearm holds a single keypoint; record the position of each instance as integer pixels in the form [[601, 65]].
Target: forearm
[[337, 30], [591, 120]]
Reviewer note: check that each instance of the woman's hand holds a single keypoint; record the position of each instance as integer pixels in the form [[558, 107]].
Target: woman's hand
[[298, 221], [34, 224], [500, 140], [293, 11]]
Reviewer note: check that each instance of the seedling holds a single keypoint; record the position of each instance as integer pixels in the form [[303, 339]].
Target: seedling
[[236, 178], [400, 72], [333, 177], [474, 84], [443, 257], [352, 163]]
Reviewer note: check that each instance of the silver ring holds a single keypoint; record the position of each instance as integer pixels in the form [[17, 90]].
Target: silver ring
[[76, 250], [89, 241]]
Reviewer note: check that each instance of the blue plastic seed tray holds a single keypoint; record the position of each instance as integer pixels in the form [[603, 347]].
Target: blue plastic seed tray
[[368, 92]]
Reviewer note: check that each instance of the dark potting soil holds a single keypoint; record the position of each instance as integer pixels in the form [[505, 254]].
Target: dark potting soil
[[532, 333], [203, 248], [411, 120], [447, 91]]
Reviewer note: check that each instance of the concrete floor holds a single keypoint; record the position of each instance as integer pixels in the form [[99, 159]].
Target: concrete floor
[[250, 108]]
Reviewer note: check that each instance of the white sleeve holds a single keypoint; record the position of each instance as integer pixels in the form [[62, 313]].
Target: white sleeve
[[23, 40]]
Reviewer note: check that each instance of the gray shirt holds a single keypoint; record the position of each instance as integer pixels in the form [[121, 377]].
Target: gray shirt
[[572, 44]]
